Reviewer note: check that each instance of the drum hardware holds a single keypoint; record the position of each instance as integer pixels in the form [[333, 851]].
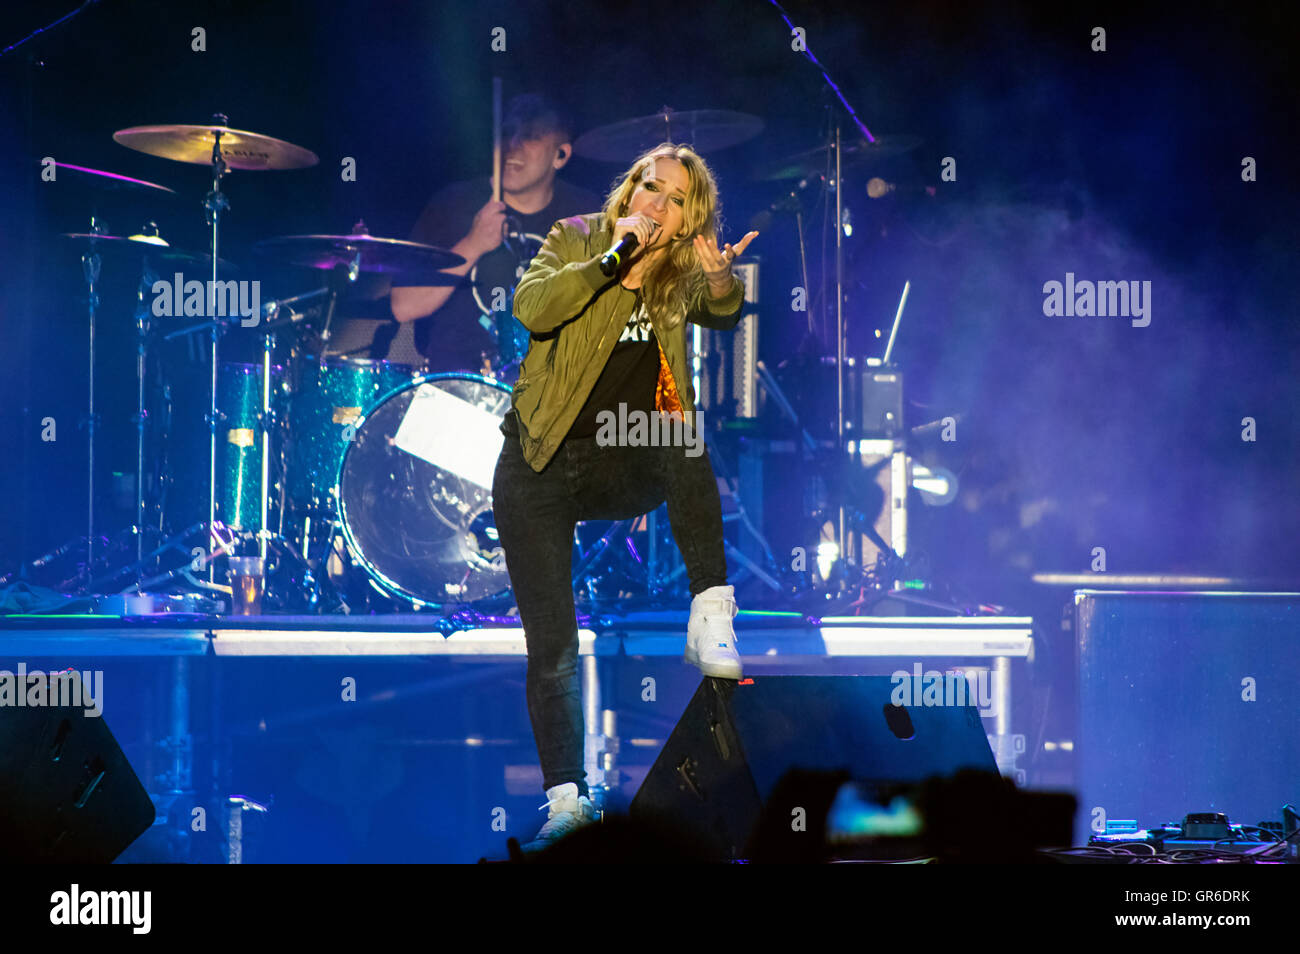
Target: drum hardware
[[152, 250], [90, 265], [25, 570], [262, 423], [619, 531], [156, 254], [142, 329], [223, 149], [224, 540], [135, 571], [251, 409], [98, 181]]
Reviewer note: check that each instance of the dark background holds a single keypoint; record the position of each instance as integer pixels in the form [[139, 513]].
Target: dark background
[[1122, 165]]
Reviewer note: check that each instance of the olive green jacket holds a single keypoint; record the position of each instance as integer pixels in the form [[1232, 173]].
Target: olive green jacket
[[576, 315]]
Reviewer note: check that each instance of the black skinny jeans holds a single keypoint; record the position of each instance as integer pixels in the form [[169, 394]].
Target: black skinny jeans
[[536, 515]]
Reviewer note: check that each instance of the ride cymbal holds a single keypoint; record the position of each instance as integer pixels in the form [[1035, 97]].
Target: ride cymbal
[[370, 254]]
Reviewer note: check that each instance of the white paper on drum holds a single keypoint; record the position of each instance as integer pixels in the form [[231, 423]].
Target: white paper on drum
[[453, 434]]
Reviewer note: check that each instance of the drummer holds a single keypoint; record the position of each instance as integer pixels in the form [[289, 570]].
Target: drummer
[[455, 329]]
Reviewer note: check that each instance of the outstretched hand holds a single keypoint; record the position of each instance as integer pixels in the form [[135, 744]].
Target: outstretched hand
[[717, 263]]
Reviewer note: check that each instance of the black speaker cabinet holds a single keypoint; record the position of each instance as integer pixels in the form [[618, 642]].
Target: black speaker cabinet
[[736, 740], [67, 793], [1189, 702]]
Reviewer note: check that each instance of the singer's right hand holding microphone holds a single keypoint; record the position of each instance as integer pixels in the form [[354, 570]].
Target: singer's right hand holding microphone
[[642, 226]]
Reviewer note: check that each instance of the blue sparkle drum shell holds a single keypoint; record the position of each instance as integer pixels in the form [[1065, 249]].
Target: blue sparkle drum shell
[[239, 443], [330, 399]]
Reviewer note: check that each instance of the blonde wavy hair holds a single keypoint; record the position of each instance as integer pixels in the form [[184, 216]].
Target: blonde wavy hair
[[677, 278]]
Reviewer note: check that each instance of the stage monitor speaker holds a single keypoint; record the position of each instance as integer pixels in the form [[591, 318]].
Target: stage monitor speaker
[[67, 793], [734, 741], [1189, 702]]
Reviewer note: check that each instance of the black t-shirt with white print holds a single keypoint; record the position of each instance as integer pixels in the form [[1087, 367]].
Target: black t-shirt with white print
[[629, 377]]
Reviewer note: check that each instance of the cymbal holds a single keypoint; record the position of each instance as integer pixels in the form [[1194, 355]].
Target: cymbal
[[375, 255], [704, 130], [109, 181], [814, 161], [148, 244], [142, 242], [240, 149]]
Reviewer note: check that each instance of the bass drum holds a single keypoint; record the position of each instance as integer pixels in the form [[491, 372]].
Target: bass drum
[[415, 489]]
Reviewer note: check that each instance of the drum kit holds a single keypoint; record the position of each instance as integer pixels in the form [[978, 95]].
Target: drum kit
[[310, 454], [321, 467]]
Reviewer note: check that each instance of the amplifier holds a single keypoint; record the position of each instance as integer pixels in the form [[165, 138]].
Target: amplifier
[[881, 403], [1187, 702], [873, 396]]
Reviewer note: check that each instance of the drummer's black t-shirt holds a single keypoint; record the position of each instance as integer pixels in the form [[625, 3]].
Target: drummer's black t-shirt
[[458, 335]]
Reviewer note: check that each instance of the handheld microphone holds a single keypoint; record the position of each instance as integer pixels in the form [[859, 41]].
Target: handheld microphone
[[611, 260]]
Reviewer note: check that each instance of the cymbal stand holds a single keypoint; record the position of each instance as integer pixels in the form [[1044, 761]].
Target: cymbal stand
[[214, 203], [267, 419], [142, 329], [340, 276], [279, 313], [90, 265]]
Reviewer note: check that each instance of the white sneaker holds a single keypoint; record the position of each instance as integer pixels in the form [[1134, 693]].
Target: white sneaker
[[710, 638], [568, 812]]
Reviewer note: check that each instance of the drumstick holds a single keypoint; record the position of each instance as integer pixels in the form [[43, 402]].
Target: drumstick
[[496, 139]]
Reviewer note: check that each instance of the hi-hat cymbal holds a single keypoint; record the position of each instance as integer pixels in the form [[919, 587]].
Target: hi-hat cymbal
[[240, 149], [370, 254], [149, 244], [704, 130], [103, 181], [814, 161]]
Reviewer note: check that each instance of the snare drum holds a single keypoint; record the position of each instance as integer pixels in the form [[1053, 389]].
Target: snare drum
[[414, 490], [324, 411]]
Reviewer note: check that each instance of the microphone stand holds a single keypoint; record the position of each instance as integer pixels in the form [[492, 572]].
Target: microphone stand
[[840, 539]]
